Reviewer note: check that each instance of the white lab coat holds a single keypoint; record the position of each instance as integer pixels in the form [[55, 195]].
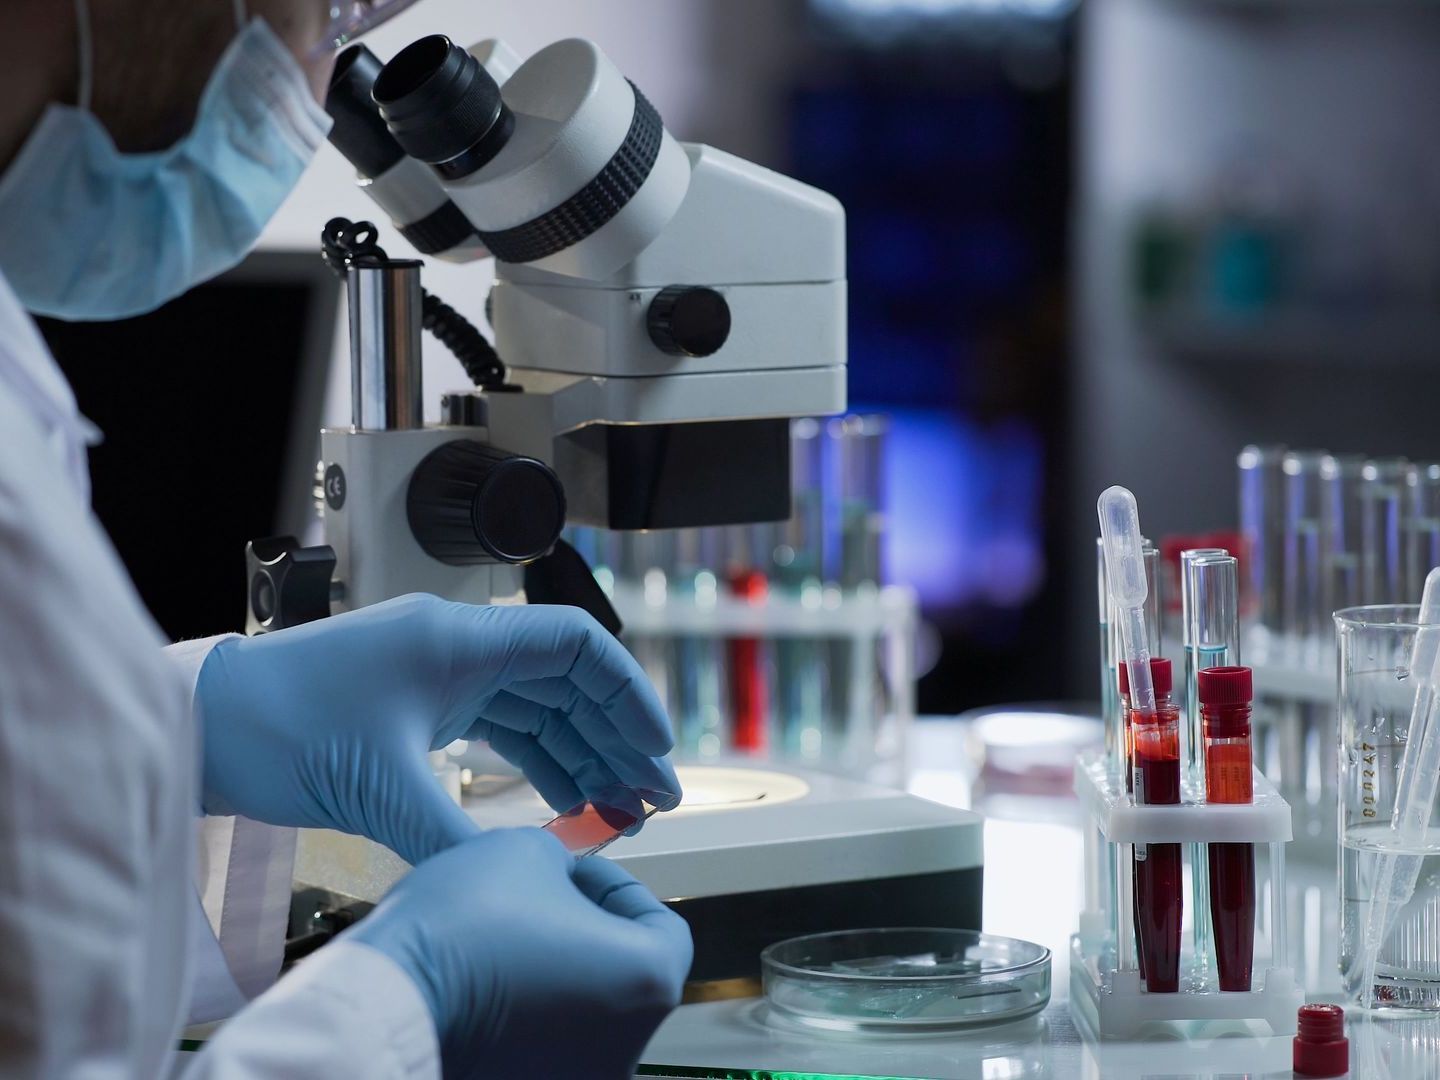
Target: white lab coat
[[111, 936]]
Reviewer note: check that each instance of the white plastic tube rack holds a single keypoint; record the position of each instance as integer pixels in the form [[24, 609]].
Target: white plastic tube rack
[[1105, 986]]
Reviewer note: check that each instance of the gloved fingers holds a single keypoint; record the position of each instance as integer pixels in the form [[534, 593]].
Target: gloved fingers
[[418, 818], [545, 774], [552, 730], [620, 808], [589, 719], [546, 641], [614, 890]]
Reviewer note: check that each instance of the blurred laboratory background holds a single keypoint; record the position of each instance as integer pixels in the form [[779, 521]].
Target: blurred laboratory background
[[1090, 242]]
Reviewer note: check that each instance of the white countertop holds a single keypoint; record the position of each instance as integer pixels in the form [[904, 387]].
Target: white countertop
[[1033, 851]]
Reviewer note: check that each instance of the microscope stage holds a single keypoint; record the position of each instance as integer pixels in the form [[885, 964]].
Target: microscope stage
[[753, 856]]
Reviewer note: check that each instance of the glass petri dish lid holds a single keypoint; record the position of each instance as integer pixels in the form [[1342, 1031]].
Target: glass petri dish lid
[[904, 979]]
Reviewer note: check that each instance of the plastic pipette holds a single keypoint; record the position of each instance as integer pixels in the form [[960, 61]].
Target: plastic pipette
[[1125, 576], [1398, 870]]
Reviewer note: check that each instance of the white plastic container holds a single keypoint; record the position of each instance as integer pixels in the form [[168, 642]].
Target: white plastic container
[[1105, 986]]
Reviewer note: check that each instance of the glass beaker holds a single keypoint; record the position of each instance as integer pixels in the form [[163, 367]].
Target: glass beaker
[[1376, 696]]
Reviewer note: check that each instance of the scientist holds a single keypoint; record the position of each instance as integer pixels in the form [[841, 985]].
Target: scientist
[[143, 146]]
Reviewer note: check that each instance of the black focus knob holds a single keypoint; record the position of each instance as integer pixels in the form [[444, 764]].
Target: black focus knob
[[287, 584], [469, 503], [688, 320]]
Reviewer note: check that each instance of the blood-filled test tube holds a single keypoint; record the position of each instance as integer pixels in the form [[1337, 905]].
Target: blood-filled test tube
[[1159, 903], [1225, 695]]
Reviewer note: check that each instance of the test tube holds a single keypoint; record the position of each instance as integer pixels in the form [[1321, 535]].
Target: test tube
[[1226, 691], [1384, 487], [858, 447], [747, 581], [1159, 901], [861, 441], [800, 556], [1342, 476], [644, 559], [1155, 602], [701, 696], [1305, 614], [1422, 526], [796, 566], [1210, 602], [1262, 524], [1212, 639]]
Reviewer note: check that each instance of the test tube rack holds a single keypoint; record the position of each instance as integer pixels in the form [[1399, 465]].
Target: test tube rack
[[1105, 986]]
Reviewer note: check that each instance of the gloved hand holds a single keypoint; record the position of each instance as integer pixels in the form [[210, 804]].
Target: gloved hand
[[327, 724], [533, 964]]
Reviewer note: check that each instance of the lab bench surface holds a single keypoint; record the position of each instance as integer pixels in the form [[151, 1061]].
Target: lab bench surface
[[1033, 859]]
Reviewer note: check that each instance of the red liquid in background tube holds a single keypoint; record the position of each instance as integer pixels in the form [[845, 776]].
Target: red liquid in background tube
[[1159, 875], [749, 696]]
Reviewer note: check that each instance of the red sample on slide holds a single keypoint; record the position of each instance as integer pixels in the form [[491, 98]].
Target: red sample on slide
[[1225, 694]]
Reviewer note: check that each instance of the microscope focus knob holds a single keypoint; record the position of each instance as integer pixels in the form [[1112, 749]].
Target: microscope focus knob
[[469, 503], [688, 320], [287, 584]]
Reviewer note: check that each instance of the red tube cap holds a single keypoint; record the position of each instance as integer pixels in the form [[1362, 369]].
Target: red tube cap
[[1160, 675], [1321, 1048], [1226, 686]]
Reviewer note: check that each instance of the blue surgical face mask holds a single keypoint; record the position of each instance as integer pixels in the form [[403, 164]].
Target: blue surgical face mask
[[88, 232]]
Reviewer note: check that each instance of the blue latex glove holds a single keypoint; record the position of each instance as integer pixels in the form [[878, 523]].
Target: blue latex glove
[[533, 964], [327, 725]]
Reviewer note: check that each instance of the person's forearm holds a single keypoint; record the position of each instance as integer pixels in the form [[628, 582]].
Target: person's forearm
[[346, 1013], [246, 871]]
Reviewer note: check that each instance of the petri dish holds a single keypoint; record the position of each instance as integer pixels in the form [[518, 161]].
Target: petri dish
[[905, 979]]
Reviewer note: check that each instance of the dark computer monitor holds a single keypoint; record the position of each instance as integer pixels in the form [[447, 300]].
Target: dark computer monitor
[[211, 412]]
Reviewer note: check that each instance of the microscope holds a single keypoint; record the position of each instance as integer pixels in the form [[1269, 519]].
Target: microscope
[[661, 310]]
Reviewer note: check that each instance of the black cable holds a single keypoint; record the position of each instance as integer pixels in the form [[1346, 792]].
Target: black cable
[[343, 241]]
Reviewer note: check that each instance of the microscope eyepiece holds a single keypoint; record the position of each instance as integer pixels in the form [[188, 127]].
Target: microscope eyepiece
[[359, 131], [443, 107], [404, 188]]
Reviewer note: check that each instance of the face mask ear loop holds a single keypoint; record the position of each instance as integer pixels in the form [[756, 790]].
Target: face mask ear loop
[[85, 54], [239, 15]]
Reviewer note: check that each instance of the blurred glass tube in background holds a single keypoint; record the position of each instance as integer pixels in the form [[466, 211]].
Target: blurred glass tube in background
[[1305, 618], [798, 561], [1262, 524], [1384, 487], [645, 559], [697, 672], [860, 441], [1341, 476], [857, 444], [1423, 525]]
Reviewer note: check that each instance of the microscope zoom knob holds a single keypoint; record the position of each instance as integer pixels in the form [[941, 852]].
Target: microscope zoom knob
[[688, 320], [470, 503]]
